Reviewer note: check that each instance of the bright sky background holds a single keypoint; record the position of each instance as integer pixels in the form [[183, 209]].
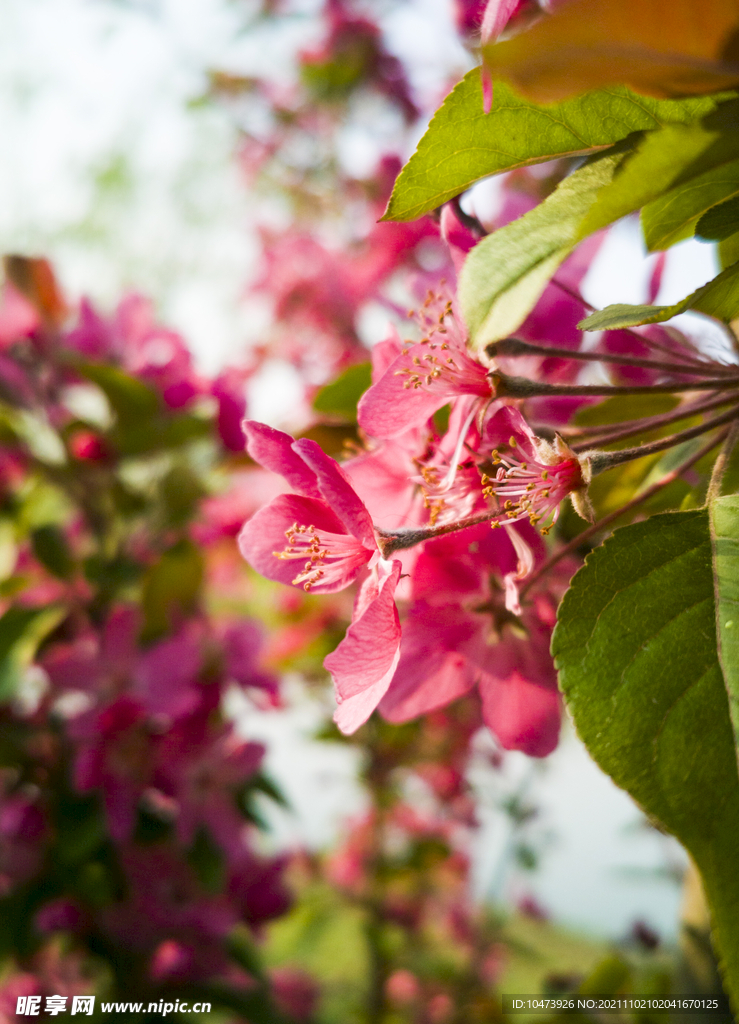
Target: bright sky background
[[108, 166]]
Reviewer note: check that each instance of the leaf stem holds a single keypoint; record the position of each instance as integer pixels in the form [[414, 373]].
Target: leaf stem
[[606, 521]]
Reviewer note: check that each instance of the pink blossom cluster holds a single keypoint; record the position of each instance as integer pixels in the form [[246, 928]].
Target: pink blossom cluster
[[126, 793], [388, 519]]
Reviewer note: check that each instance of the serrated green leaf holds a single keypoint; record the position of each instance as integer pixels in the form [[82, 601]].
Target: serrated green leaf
[[340, 397], [676, 215], [666, 160], [505, 274], [719, 223], [718, 298], [463, 144], [724, 517], [728, 251], [635, 646]]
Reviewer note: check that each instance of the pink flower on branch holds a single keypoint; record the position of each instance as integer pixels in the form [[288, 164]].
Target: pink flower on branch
[[321, 539], [533, 476], [459, 633], [425, 376]]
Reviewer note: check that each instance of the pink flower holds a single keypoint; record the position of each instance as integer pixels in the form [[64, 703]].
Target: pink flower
[[133, 338], [355, 45], [228, 389], [257, 886], [319, 539], [459, 633], [115, 755], [329, 533], [533, 476], [424, 377], [202, 768], [18, 318]]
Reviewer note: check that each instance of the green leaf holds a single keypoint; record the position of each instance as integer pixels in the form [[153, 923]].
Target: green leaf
[[171, 587], [505, 274], [52, 550], [719, 223], [665, 161], [719, 298], [340, 397], [724, 516], [676, 215], [635, 647], [21, 632], [463, 144], [728, 251], [129, 397]]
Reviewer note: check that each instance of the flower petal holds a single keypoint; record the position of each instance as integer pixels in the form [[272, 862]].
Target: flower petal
[[523, 714], [273, 449], [265, 533], [432, 671], [338, 492], [364, 663]]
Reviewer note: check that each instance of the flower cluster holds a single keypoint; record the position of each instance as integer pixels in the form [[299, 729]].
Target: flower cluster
[[127, 800]]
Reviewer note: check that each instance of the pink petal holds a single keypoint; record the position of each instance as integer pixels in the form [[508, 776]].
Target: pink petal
[[655, 279], [497, 15], [166, 678], [457, 236], [394, 404], [365, 661], [273, 449], [338, 492], [432, 671], [265, 533], [522, 714], [384, 352], [382, 478], [525, 565], [388, 409]]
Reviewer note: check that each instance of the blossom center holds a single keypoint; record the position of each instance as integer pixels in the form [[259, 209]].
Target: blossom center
[[532, 490], [440, 358], [328, 557]]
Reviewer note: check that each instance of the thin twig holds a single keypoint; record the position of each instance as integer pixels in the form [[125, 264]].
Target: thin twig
[[515, 348], [602, 461], [650, 342], [521, 387], [648, 424]]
